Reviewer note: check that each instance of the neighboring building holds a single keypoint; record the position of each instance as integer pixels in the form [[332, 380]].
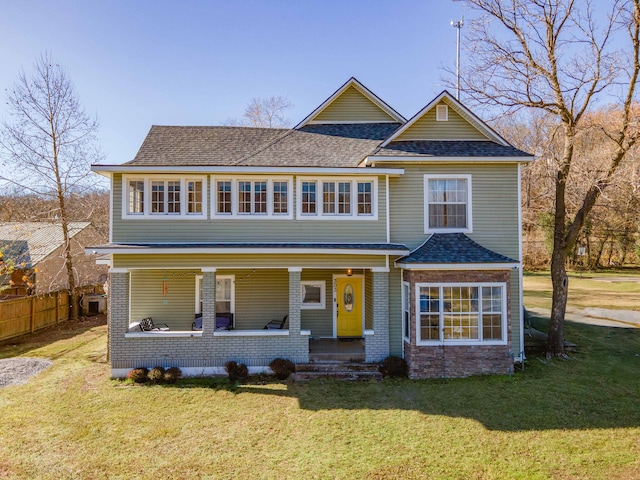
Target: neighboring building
[[36, 249], [356, 223]]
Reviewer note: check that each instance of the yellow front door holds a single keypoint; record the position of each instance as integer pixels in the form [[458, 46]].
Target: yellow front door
[[349, 306]]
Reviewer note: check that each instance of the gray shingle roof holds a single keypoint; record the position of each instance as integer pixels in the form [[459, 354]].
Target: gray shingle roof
[[450, 148], [169, 145], [226, 146], [453, 248], [41, 239], [365, 131]]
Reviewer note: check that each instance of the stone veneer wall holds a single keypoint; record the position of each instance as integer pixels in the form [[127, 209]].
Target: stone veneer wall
[[438, 361]]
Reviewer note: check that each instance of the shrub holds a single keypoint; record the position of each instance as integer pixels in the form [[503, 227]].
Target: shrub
[[172, 374], [394, 367], [156, 375], [236, 371], [138, 375], [282, 368]]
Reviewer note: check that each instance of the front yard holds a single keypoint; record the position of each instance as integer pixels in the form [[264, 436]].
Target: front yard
[[578, 418]]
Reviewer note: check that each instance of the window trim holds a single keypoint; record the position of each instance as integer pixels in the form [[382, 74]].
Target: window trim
[[353, 215], [443, 176], [457, 342], [147, 214], [406, 310], [322, 284], [235, 181]]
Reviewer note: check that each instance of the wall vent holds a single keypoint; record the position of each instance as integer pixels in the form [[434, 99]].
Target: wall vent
[[442, 113]]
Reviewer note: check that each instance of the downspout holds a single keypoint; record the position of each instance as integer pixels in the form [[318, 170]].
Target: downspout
[[520, 270]]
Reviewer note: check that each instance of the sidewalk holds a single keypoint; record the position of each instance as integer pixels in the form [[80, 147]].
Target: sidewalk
[[602, 317]]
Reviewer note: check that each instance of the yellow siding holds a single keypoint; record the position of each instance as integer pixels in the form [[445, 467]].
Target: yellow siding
[[237, 230], [456, 128], [247, 261], [176, 308], [261, 296], [353, 106]]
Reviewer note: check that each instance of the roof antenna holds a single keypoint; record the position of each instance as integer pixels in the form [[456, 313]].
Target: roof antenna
[[458, 25]]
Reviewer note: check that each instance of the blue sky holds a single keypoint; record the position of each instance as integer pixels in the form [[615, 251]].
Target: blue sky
[[139, 63]]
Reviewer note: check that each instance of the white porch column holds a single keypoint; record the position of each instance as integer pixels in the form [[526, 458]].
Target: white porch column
[[295, 274], [377, 345], [118, 310], [208, 301]]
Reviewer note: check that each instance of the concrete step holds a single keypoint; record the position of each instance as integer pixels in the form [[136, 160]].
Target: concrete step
[[336, 357], [343, 371]]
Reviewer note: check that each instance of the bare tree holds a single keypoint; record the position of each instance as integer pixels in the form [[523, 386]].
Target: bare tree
[[264, 113], [552, 55], [47, 145]]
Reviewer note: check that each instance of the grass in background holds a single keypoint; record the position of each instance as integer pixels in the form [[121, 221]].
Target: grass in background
[[572, 419], [607, 289]]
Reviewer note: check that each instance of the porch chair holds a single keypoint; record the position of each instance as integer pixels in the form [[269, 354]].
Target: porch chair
[[147, 325], [276, 324]]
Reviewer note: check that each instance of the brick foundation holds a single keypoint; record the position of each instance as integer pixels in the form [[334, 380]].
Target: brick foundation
[[457, 361]]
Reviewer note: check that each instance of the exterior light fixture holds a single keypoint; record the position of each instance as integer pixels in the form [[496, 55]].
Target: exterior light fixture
[[349, 272]]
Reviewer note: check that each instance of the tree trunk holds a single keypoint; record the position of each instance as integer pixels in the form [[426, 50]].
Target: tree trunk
[[560, 282]]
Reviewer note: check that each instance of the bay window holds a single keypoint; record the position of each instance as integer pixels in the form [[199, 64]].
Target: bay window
[[461, 313]]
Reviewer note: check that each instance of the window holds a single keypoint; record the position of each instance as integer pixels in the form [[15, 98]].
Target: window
[[136, 196], [164, 197], [365, 202], [250, 198], [447, 203], [309, 198], [157, 197], [461, 313], [313, 295], [406, 311], [194, 201], [225, 294], [336, 199], [340, 203], [280, 197], [224, 196]]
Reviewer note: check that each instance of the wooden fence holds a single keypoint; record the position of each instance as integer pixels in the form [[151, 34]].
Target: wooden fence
[[28, 314]]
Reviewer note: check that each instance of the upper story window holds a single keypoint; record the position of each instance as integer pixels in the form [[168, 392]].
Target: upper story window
[[447, 203], [157, 196], [337, 198], [461, 313], [252, 197]]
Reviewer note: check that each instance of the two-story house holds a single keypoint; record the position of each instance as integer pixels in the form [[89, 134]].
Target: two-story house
[[356, 223]]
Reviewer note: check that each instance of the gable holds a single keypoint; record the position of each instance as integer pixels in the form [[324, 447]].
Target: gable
[[456, 127], [352, 103], [353, 106]]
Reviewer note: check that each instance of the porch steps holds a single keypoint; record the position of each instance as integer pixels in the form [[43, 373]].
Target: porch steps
[[339, 370]]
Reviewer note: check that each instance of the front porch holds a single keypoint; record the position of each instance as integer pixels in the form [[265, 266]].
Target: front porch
[[254, 296]]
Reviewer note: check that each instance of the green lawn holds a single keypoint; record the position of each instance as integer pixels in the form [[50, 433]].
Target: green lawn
[[616, 290], [578, 418]]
